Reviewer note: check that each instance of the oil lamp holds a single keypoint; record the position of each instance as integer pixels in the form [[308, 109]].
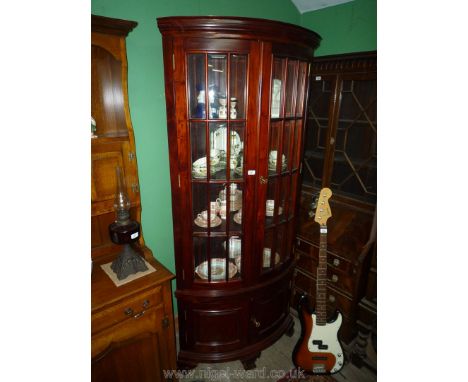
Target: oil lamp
[[125, 231]]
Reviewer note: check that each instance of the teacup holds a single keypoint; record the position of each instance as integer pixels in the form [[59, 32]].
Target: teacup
[[204, 216]]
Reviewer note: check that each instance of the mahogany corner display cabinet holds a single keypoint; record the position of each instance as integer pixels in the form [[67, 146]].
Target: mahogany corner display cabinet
[[132, 325], [236, 96]]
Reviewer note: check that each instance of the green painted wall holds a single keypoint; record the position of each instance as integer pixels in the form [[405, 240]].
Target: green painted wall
[[345, 28]]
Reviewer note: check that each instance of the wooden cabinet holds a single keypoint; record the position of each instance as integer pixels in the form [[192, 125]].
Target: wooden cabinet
[[132, 329], [340, 152], [236, 94]]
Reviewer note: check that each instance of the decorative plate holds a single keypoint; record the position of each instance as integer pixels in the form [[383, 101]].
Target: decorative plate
[[204, 224], [237, 218], [218, 269]]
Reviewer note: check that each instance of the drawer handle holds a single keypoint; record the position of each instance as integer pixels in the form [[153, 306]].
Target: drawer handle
[[331, 298], [336, 262], [255, 322], [138, 315], [128, 312], [334, 278], [146, 304]]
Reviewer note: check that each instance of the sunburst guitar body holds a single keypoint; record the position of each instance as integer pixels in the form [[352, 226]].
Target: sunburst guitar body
[[318, 350]]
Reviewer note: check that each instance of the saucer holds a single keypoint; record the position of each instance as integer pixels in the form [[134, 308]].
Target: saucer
[[270, 213], [204, 223]]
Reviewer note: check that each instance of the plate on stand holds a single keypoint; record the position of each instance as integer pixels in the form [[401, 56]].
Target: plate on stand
[[218, 269]]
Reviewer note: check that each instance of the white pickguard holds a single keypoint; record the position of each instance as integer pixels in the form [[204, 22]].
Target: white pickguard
[[328, 334]]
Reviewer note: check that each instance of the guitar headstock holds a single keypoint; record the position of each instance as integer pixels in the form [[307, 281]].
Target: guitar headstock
[[323, 211]]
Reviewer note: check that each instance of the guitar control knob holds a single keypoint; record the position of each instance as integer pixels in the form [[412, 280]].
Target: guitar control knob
[[334, 278], [336, 262], [331, 298]]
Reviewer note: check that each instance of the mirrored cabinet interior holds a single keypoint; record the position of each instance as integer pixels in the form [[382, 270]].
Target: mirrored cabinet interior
[[132, 325], [236, 95], [340, 152]]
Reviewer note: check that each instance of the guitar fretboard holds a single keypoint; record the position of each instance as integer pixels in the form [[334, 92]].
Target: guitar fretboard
[[321, 296]]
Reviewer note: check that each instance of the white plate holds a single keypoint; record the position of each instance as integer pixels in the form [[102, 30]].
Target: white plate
[[204, 223], [218, 269]]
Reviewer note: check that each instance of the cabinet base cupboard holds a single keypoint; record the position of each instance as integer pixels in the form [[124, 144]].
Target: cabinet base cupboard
[[236, 95]]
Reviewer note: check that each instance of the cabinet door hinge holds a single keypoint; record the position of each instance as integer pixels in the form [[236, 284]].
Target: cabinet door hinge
[[135, 187], [173, 61], [165, 322], [131, 155], [178, 176]]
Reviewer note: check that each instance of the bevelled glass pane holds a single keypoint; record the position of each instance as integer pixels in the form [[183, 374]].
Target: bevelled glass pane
[[269, 248], [196, 85], [237, 150], [214, 251], [296, 149], [277, 85], [218, 150], [233, 247], [291, 87], [284, 197], [198, 149], [355, 160], [274, 148], [200, 208], [288, 136], [200, 258], [272, 208], [292, 194], [237, 86], [301, 85], [217, 90], [281, 243]]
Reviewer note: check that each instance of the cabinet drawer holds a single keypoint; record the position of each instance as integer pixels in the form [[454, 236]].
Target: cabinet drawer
[[127, 309], [338, 263], [335, 299], [126, 331], [338, 279]]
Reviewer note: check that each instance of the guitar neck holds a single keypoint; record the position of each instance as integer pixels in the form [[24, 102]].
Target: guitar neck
[[321, 297]]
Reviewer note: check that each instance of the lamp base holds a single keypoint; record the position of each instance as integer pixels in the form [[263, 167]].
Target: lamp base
[[128, 262]]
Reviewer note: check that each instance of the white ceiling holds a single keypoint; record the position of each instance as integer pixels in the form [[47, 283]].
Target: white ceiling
[[312, 5]]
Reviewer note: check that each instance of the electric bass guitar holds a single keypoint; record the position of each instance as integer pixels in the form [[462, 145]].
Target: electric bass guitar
[[318, 350]]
